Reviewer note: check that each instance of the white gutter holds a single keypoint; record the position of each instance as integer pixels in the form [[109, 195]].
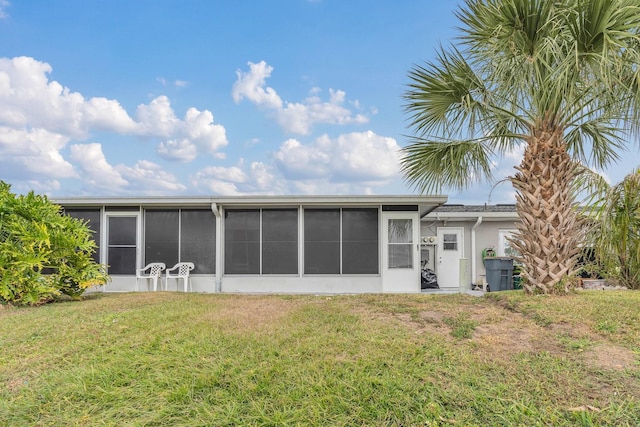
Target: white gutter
[[216, 212], [473, 249]]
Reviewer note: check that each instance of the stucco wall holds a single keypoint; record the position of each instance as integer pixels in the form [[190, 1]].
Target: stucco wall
[[486, 236]]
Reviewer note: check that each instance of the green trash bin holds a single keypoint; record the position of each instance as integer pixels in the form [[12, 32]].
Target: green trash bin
[[499, 273], [517, 282]]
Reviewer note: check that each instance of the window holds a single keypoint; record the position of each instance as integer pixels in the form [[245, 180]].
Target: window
[[359, 241], [400, 243], [341, 241], [322, 241], [505, 248], [122, 244], [198, 239], [242, 242], [181, 235], [450, 242], [161, 236], [261, 241], [280, 241], [92, 217]]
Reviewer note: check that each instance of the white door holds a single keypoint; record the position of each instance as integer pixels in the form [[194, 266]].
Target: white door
[[449, 253], [400, 252], [122, 255]]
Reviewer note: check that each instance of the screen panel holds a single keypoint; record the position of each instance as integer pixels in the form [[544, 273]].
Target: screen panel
[[242, 241], [360, 241], [280, 241], [198, 240], [322, 241]]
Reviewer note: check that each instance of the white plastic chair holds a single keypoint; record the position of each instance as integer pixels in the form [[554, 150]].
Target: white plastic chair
[[183, 269], [152, 271]]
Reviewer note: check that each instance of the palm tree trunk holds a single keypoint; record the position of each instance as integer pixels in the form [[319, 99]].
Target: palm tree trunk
[[550, 229]]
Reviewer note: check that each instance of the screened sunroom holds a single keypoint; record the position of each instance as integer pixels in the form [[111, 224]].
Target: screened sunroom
[[287, 244]]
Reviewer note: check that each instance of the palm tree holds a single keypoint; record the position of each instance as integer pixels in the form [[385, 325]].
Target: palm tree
[[560, 77]]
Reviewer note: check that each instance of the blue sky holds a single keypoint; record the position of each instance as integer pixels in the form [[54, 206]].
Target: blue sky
[[136, 97]]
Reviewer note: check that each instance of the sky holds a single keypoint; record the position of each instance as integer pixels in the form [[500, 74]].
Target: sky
[[212, 97]]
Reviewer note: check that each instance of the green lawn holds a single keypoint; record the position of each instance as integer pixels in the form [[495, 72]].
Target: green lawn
[[172, 359]]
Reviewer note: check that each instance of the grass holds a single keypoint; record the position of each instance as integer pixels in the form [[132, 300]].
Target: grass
[[171, 359]]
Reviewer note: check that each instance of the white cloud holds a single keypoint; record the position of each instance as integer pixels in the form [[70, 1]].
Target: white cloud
[[34, 152], [299, 161], [516, 154], [315, 187], [264, 179], [95, 170], [176, 83], [200, 129], [181, 150], [258, 178], [230, 174], [108, 115], [157, 118], [45, 187], [29, 100], [252, 85], [150, 178], [293, 117], [39, 117], [195, 134], [144, 177], [352, 157], [4, 4], [219, 180]]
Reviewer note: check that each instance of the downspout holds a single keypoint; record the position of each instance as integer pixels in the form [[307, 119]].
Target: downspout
[[216, 212], [473, 249]]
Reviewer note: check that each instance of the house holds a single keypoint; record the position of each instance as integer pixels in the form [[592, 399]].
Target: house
[[284, 244], [454, 238]]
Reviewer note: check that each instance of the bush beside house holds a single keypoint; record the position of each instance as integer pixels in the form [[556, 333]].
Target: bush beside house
[[43, 253]]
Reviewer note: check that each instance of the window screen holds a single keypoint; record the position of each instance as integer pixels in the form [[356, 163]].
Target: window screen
[[242, 242], [185, 235], [92, 216], [360, 241], [341, 241], [322, 241], [400, 243], [198, 239], [161, 234], [280, 241]]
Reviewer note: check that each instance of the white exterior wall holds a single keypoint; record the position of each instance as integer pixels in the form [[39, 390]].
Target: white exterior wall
[[258, 284], [486, 237], [303, 285]]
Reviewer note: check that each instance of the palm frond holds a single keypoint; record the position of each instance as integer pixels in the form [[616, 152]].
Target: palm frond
[[431, 165], [591, 187], [445, 96]]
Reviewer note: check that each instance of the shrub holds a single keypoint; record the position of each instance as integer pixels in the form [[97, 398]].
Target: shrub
[[617, 232], [43, 253]]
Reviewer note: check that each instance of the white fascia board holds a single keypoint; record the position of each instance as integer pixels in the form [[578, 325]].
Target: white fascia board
[[471, 216], [426, 203], [330, 200], [134, 201]]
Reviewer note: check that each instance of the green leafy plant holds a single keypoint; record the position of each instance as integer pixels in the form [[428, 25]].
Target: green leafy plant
[[615, 234], [43, 253]]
